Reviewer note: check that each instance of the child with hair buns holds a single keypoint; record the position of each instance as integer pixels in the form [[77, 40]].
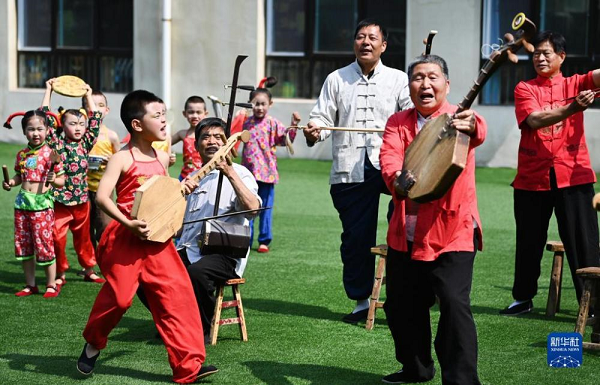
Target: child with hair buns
[[34, 213]]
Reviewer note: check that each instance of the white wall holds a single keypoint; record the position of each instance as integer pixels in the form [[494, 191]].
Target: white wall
[[205, 47], [205, 43]]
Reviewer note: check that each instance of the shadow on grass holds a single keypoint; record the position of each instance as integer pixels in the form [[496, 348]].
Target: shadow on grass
[[300, 310], [64, 366], [566, 316], [136, 330], [277, 373], [14, 281], [291, 308]]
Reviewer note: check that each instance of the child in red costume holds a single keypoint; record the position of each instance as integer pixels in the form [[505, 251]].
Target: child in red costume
[[72, 209], [194, 111], [127, 259], [34, 213]]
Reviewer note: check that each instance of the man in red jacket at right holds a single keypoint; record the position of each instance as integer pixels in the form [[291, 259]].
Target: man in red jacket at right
[[554, 171], [431, 246]]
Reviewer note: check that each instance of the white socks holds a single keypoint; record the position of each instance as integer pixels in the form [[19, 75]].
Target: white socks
[[361, 305], [516, 303]]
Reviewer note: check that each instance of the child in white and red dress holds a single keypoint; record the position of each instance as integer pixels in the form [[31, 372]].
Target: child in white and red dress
[[259, 156], [34, 207], [72, 209]]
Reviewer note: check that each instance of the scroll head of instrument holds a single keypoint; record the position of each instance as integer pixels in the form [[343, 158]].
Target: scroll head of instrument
[[512, 57], [245, 136], [528, 46], [509, 38]]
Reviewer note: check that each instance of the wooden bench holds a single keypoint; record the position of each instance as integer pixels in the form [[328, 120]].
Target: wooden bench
[[220, 305], [381, 252], [553, 304], [589, 297]]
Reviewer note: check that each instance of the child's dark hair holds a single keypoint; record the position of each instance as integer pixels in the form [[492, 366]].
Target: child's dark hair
[[34, 114], [62, 113], [260, 91], [194, 99], [207, 123], [134, 106], [94, 93], [71, 111]]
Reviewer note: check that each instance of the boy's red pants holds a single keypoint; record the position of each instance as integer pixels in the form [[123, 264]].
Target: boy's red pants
[[77, 219], [126, 261]]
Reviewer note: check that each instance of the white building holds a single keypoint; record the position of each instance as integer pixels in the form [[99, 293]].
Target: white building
[[180, 48]]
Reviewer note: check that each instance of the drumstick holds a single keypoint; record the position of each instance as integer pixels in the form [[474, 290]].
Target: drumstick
[[5, 173], [349, 129], [55, 158], [596, 94]]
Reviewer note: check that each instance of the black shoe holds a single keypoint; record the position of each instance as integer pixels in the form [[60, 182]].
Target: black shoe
[[206, 370], [354, 318], [522, 308], [401, 377], [86, 364]]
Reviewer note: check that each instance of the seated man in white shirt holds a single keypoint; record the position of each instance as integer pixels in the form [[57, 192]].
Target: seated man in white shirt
[[239, 191]]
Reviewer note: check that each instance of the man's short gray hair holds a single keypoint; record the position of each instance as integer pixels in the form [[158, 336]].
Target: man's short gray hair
[[424, 59]]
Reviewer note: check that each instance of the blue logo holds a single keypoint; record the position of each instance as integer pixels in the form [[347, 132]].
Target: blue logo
[[565, 350]]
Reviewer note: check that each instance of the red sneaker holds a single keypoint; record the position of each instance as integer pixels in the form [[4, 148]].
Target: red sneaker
[[88, 278], [52, 294], [263, 249], [27, 291]]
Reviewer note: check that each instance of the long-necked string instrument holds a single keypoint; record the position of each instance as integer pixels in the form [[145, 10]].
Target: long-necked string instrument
[[438, 154], [429, 41], [160, 202]]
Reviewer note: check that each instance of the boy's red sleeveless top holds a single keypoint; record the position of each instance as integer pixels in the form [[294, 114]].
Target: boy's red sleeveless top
[[137, 174]]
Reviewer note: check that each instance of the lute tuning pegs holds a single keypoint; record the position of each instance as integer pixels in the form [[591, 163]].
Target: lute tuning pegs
[[528, 46]]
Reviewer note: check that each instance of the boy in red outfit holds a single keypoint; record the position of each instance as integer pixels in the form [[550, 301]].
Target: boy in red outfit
[[127, 259]]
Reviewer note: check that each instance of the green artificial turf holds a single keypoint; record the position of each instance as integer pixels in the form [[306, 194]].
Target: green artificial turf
[[294, 301]]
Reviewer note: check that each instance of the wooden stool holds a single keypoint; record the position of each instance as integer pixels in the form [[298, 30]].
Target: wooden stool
[[220, 304], [590, 296], [381, 251], [553, 304]]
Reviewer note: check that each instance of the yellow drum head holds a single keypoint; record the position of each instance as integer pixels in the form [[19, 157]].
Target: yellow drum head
[[68, 85]]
